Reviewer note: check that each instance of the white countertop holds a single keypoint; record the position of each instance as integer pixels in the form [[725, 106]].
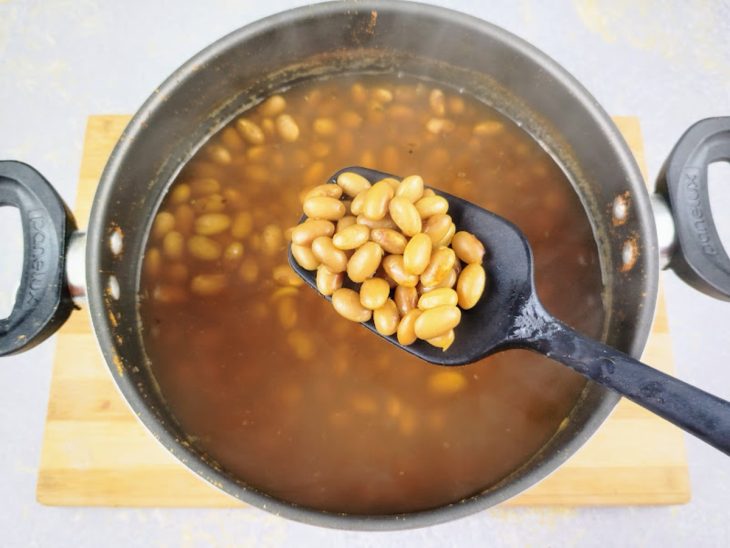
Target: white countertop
[[61, 61]]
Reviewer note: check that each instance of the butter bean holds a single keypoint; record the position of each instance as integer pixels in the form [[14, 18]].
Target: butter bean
[[242, 225], [272, 239], [437, 102], [173, 245], [375, 206], [393, 182], [429, 206], [438, 297], [382, 95], [358, 203], [286, 312], [204, 248], [233, 253], [401, 113], [438, 126], [443, 341], [219, 154], [329, 190], [347, 304], [410, 188], [364, 262], [164, 223], [470, 286], [202, 187], [212, 223], [335, 259], [351, 237], [467, 247], [304, 257], [184, 219], [232, 139], [180, 193], [235, 198], [442, 262], [286, 291], [406, 299], [169, 294], [393, 266], [351, 119], [324, 207], [435, 322], [446, 382], [287, 128], [449, 281], [324, 127], [256, 154], [208, 284], [309, 230], [152, 262], [327, 281], [249, 271], [437, 227], [304, 349], [314, 173], [456, 105], [386, 318], [358, 93], [273, 106], [446, 240], [417, 254], [488, 128], [267, 124], [385, 222], [407, 327], [283, 274], [250, 131], [374, 293], [212, 203], [352, 183], [390, 240], [347, 220], [405, 215]]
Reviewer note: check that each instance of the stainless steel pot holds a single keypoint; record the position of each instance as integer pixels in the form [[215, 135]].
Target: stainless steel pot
[[325, 39]]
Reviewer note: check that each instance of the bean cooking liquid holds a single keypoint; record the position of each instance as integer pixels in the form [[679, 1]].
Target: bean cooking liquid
[[297, 401]]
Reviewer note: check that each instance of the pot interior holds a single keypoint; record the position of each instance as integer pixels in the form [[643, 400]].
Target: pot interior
[[241, 69]]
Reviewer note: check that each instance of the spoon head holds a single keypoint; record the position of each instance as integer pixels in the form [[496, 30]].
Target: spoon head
[[494, 323]]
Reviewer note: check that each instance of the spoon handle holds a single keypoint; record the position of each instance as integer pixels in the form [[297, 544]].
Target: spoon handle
[[694, 410]]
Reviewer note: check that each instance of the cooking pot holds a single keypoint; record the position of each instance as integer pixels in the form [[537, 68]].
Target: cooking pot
[[244, 67]]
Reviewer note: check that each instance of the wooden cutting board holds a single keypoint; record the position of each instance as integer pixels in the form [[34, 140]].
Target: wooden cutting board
[[96, 453]]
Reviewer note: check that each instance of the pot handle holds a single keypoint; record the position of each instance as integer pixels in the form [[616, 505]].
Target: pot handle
[[43, 301], [699, 258]]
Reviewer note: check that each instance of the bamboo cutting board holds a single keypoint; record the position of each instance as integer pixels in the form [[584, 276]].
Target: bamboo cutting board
[[96, 453]]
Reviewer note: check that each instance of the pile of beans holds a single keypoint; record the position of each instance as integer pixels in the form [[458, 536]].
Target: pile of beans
[[398, 242]]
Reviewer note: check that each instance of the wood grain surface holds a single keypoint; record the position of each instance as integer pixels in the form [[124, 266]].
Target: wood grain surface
[[96, 453]]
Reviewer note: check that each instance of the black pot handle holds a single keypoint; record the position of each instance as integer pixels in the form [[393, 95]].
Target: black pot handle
[[43, 301], [699, 258]]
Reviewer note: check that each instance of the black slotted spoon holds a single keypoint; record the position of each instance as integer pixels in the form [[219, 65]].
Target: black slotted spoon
[[510, 315]]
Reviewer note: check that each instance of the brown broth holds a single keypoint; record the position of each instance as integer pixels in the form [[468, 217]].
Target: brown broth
[[306, 406]]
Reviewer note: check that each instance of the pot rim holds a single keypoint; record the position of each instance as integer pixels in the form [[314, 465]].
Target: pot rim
[[97, 236]]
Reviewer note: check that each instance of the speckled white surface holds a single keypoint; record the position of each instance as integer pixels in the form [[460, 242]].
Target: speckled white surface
[[665, 61]]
